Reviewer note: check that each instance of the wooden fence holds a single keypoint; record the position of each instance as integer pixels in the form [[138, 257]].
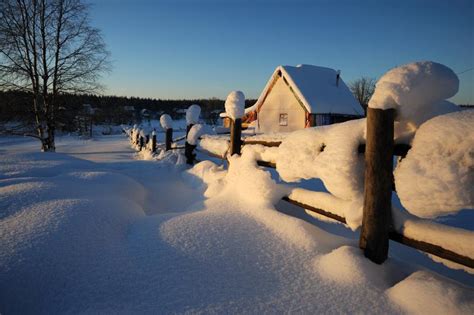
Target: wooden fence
[[149, 142], [377, 225]]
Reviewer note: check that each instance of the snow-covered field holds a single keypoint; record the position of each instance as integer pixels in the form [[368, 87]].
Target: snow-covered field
[[93, 229]]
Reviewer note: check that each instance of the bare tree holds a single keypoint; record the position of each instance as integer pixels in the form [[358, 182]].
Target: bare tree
[[47, 48], [363, 89]]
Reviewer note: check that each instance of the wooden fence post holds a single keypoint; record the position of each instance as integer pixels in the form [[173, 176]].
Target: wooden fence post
[[141, 142], [189, 148], [169, 138], [377, 213], [153, 141], [235, 136]]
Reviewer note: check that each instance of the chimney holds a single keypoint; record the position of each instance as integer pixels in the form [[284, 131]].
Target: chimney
[[338, 75]]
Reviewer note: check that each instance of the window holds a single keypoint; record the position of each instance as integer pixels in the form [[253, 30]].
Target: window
[[283, 119]]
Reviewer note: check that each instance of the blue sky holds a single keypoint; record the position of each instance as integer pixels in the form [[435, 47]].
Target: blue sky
[[199, 49]]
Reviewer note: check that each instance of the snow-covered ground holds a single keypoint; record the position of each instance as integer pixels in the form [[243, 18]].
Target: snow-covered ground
[[93, 229]]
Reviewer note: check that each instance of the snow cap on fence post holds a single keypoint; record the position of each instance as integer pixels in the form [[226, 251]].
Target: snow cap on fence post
[[192, 114], [417, 91], [235, 105], [166, 121], [194, 133]]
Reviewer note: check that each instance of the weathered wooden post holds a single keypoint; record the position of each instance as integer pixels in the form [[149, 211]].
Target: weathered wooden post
[[188, 152], [235, 109], [141, 142], [377, 213], [235, 136], [167, 125], [168, 139], [153, 141], [192, 118]]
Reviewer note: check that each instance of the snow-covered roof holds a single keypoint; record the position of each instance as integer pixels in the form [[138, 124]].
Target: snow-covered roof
[[316, 88]]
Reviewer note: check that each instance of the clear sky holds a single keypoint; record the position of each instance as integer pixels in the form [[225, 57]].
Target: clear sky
[[200, 49]]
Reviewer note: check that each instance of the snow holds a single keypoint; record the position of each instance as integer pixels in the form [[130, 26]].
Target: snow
[[194, 133], [347, 266], [417, 91], [192, 114], [215, 144], [328, 153], [166, 121], [316, 88], [91, 230], [426, 293], [235, 105], [271, 136], [436, 177], [262, 153]]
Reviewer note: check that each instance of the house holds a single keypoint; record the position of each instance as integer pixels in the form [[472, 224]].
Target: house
[[302, 96]]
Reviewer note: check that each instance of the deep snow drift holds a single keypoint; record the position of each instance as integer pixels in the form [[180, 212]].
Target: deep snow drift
[[96, 231]]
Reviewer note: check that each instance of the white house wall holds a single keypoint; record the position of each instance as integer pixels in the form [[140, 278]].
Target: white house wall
[[280, 100]]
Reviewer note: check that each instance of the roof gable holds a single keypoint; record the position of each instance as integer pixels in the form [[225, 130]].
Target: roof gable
[[316, 89]]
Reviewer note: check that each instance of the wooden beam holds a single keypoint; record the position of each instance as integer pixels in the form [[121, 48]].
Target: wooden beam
[[432, 249], [316, 210], [266, 164]]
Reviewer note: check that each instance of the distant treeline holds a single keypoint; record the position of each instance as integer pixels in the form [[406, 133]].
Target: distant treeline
[[17, 106]]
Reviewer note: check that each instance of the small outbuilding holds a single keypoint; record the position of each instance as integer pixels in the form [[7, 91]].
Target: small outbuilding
[[300, 97]]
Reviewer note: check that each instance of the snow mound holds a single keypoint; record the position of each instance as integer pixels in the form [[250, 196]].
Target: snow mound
[[329, 153], [347, 265], [241, 169], [426, 293], [207, 173], [416, 91], [39, 164], [437, 177], [235, 105], [166, 122], [252, 190], [91, 184], [54, 249], [192, 114]]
